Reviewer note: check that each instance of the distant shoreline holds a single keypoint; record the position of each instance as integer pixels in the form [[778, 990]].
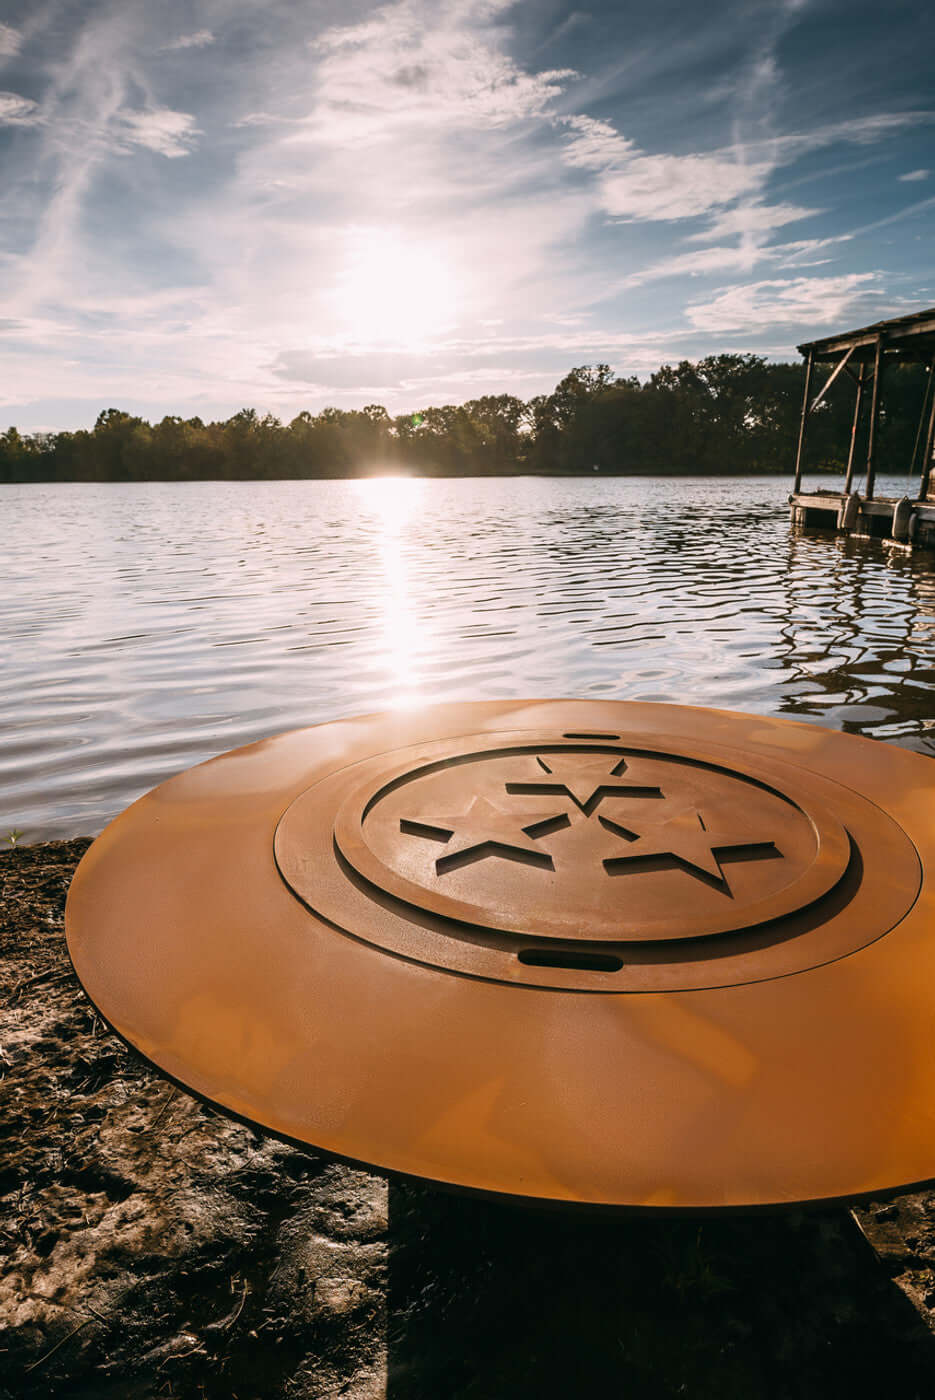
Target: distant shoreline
[[402, 473]]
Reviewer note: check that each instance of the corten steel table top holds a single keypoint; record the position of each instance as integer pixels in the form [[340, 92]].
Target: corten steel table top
[[587, 952]]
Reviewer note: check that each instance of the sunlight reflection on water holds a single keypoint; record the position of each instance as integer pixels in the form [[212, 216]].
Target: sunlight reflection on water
[[389, 505], [145, 627]]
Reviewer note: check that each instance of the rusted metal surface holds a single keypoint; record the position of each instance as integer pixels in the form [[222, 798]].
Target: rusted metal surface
[[589, 952]]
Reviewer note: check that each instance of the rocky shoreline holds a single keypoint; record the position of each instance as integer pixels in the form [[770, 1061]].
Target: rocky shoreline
[[152, 1247]]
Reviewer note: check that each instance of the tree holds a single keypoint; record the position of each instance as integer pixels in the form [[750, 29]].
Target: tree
[[723, 413]]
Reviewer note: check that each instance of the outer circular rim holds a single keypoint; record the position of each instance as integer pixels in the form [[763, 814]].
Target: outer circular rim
[[817, 1086]]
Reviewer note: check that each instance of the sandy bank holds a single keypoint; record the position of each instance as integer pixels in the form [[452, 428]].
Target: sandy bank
[[150, 1247]]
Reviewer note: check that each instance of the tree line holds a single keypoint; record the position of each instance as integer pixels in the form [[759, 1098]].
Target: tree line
[[725, 414]]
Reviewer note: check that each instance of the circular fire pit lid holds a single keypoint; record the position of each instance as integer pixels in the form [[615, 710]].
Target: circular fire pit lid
[[616, 954]]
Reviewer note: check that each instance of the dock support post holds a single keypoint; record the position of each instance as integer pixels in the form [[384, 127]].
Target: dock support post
[[874, 419], [800, 450], [927, 458], [850, 452], [920, 431]]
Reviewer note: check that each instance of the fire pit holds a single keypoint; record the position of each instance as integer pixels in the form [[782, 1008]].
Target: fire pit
[[591, 953]]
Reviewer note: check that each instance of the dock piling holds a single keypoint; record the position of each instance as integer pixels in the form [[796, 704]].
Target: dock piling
[[850, 452], [800, 451], [874, 418]]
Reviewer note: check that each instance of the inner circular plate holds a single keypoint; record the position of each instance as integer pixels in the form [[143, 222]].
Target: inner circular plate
[[622, 955], [590, 842]]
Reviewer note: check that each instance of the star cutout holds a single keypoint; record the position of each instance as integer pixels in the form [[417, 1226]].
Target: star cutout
[[585, 778], [484, 829], [685, 842]]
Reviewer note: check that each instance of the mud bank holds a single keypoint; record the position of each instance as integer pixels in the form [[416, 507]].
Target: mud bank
[[150, 1247]]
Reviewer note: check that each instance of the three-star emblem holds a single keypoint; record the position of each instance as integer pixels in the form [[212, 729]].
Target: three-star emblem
[[684, 840]]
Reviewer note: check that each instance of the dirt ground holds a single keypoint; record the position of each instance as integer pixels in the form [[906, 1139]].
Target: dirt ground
[[151, 1247]]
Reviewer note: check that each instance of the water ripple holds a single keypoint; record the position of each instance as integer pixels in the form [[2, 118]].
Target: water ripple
[[145, 627]]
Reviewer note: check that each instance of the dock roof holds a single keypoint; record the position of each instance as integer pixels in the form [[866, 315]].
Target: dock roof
[[911, 337]]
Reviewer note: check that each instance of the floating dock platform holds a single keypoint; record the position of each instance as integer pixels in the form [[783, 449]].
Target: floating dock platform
[[910, 523], [863, 355]]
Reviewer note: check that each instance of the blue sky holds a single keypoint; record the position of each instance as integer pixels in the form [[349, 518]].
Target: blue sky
[[299, 203]]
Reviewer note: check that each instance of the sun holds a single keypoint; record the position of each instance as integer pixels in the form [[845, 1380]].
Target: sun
[[394, 289]]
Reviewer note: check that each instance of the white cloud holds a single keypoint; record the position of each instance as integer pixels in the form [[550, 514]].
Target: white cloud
[[916, 175], [18, 111], [10, 41], [801, 253], [267, 119], [595, 145], [752, 219], [740, 257], [859, 131], [699, 262], [414, 65], [636, 185], [921, 206], [677, 187], [159, 129], [816, 301], [199, 40]]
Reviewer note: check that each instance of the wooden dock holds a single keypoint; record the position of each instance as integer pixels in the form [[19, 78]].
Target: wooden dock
[[863, 355]]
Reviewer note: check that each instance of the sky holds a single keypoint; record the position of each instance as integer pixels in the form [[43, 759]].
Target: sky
[[214, 204]]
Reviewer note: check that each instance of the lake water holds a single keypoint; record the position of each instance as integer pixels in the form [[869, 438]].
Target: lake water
[[146, 627]]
